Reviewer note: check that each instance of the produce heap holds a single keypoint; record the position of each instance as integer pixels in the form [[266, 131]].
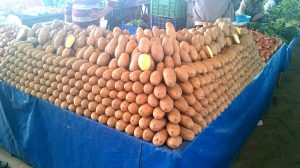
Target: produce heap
[[7, 34], [159, 85], [265, 44], [283, 23]]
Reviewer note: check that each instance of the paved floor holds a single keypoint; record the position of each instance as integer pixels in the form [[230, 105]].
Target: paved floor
[[13, 162], [276, 144]]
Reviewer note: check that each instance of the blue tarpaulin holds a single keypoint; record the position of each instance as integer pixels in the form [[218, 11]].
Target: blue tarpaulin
[[290, 50], [47, 136]]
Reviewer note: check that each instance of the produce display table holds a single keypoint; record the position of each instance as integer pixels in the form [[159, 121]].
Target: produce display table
[[47, 136]]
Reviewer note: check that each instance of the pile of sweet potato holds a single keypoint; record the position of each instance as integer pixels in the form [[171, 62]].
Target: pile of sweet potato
[[163, 86]]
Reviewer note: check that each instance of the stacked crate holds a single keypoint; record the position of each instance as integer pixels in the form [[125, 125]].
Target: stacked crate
[[173, 11]]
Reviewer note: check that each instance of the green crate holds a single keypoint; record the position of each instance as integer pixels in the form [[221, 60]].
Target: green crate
[[168, 8]]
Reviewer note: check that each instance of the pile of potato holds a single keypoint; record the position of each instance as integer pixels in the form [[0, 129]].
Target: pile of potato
[[7, 34], [159, 85], [265, 44]]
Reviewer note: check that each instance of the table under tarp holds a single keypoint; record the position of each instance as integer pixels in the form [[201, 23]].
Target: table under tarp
[[44, 135]]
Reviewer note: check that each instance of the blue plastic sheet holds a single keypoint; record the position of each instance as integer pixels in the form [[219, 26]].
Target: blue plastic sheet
[[290, 50], [46, 136]]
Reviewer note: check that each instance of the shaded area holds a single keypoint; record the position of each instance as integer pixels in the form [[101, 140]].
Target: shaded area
[[276, 143]]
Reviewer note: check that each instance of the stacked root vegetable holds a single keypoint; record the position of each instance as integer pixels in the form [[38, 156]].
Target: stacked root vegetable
[[7, 34], [265, 44], [158, 85]]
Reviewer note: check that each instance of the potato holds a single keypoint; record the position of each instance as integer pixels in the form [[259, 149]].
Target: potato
[[109, 111], [184, 56], [107, 74], [84, 67], [106, 101], [167, 46], [103, 119], [181, 74], [187, 134], [157, 51], [193, 54], [125, 76], [141, 99], [145, 110], [134, 120], [124, 60], [174, 142], [153, 101], [185, 46], [169, 63], [43, 35], [58, 41], [156, 77], [170, 30], [111, 122], [175, 92], [173, 129], [186, 122], [121, 125], [160, 137], [187, 87], [122, 41], [113, 94], [148, 134], [148, 88], [138, 132], [133, 108], [137, 87], [144, 45], [190, 98], [144, 122], [111, 46], [134, 76], [160, 66], [177, 59], [145, 76], [166, 104], [169, 76], [174, 116], [157, 124], [131, 45], [133, 66], [128, 86], [130, 129], [181, 104], [160, 91]]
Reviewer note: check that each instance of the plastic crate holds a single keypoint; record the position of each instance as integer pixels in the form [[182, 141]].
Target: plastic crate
[[131, 29], [242, 18], [160, 22], [168, 8]]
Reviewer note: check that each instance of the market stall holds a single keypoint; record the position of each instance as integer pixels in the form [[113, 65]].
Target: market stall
[[159, 96], [31, 126]]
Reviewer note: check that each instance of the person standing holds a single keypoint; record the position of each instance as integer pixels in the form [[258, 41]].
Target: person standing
[[253, 8], [210, 10], [86, 12]]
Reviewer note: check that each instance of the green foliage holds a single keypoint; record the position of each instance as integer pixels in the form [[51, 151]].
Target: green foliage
[[284, 22]]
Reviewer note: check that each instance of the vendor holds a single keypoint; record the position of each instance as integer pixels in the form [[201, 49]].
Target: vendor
[[253, 8], [86, 12], [210, 10]]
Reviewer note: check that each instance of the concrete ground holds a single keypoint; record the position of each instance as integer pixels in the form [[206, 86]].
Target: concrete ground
[[276, 144], [13, 162]]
